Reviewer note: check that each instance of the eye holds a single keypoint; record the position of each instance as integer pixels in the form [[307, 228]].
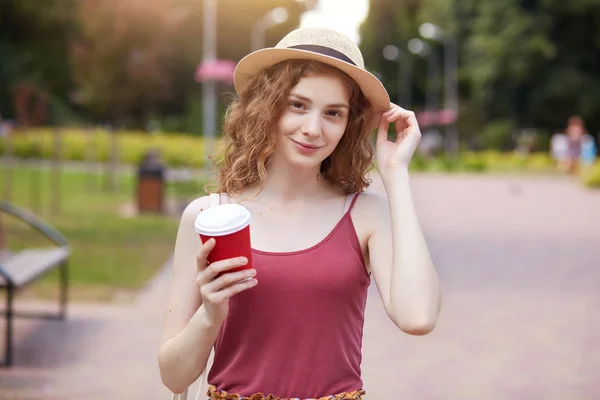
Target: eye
[[334, 113], [297, 105]]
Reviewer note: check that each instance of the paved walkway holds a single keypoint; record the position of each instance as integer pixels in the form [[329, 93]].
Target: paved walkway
[[519, 259]]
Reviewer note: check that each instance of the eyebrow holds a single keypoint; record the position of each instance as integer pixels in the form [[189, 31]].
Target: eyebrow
[[307, 100]]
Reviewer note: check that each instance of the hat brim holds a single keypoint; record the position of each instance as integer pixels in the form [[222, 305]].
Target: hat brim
[[370, 86]]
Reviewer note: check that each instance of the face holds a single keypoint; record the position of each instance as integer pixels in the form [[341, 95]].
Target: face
[[314, 120]]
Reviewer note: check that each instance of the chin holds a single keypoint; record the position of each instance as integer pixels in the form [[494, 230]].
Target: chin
[[305, 162]]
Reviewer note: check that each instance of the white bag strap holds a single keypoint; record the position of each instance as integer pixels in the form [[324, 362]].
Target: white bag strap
[[202, 383], [180, 396]]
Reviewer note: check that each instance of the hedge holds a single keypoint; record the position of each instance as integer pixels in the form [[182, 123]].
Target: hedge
[[181, 150]]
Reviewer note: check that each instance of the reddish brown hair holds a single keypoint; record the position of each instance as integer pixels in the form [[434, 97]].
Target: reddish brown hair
[[251, 120]]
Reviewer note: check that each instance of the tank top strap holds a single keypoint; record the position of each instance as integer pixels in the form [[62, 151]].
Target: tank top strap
[[350, 200]]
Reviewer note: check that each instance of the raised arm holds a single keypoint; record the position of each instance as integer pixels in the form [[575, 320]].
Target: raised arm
[[398, 254]]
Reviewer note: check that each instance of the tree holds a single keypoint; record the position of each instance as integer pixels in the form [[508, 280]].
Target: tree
[[34, 47], [137, 58], [533, 62], [118, 62], [389, 22], [396, 22]]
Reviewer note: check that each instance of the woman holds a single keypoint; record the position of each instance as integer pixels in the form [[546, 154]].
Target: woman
[[297, 153]]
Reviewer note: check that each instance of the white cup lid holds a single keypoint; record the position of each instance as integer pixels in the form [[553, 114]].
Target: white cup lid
[[222, 220]]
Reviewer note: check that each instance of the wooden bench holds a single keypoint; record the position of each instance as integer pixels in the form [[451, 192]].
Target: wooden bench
[[25, 266]]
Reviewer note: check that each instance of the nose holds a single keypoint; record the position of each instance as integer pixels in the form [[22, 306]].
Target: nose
[[312, 125]]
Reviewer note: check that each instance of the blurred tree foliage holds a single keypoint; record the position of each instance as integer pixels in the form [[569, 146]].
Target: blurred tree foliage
[[34, 49], [123, 61], [531, 62]]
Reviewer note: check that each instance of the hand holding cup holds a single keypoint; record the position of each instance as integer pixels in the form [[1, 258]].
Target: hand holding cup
[[225, 259], [217, 283]]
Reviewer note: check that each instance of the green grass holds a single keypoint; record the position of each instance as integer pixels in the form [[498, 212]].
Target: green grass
[[112, 253]]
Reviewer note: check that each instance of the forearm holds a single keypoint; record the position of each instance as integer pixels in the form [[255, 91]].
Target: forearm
[[182, 358], [414, 301]]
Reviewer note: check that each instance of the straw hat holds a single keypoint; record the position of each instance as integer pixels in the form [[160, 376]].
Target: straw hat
[[318, 44]]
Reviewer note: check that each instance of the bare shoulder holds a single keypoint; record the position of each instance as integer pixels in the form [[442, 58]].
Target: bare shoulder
[[372, 203], [194, 208], [371, 211]]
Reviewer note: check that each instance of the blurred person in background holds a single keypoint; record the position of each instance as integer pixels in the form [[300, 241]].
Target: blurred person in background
[[297, 151], [575, 132], [559, 149]]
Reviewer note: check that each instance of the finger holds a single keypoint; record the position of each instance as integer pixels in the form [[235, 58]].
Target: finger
[[396, 108], [392, 107], [226, 280], [402, 119], [218, 267], [394, 116], [388, 112], [400, 112], [203, 253], [382, 130], [411, 136], [405, 122], [225, 294], [408, 116]]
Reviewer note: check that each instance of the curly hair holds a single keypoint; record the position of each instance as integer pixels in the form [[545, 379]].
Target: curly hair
[[252, 117]]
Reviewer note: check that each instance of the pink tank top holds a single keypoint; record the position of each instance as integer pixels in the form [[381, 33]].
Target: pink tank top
[[298, 333]]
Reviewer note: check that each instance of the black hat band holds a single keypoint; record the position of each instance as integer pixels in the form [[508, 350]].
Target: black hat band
[[326, 51]]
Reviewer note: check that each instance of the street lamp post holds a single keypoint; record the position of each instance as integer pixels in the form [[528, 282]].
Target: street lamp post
[[209, 106], [433, 32], [417, 46], [393, 53], [274, 17]]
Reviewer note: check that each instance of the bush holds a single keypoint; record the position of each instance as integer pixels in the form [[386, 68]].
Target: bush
[[591, 176], [540, 162], [497, 135], [533, 140], [442, 163], [177, 150], [417, 163], [472, 162]]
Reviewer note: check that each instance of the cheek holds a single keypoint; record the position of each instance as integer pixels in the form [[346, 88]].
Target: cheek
[[287, 124], [336, 133]]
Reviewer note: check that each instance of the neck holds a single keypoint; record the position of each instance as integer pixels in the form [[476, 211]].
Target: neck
[[290, 184]]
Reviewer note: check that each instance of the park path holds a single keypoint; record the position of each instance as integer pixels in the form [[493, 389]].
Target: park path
[[519, 261]]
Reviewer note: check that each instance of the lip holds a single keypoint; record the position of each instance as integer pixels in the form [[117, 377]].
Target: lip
[[306, 148]]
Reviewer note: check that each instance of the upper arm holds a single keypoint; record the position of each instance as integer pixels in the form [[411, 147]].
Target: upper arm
[[379, 243], [184, 298]]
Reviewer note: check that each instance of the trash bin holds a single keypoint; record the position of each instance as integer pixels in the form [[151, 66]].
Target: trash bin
[[151, 184]]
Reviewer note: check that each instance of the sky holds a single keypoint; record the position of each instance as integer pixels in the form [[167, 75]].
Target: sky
[[342, 15]]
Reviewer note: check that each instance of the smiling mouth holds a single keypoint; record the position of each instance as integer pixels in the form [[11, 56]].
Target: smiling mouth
[[308, 146]]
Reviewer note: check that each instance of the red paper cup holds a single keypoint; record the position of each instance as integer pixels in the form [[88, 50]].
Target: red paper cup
[[229, 225]]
